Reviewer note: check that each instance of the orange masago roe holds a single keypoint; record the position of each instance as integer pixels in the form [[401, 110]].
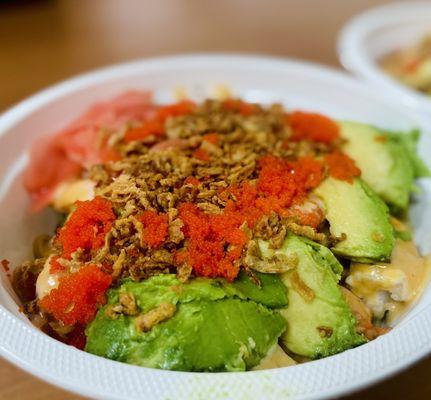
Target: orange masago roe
[[216, 241], [341, 166], [240, 106], [284, 182], [201, 154], [155, 228], [211, 138], [55, 264], [87, 226], [156, 125], [191, 180], [313, 126], [77, 296]]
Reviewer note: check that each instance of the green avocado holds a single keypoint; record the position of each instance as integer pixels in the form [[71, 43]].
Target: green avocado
[[388, 161], [217, 326], [318, 324], [291, 254], [354, 209], [271, 292]]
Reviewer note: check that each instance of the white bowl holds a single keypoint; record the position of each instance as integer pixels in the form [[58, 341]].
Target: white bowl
[[296, 85], [379, 31]]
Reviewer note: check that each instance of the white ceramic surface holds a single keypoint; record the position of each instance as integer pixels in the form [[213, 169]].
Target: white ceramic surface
[[296, 85], [379, 31]]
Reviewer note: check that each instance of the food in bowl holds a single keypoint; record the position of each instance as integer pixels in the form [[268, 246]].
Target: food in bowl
[[411, 65], [220, 236]]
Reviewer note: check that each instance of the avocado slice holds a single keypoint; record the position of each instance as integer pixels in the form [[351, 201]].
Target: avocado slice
[[355, 210], [319, 320], [320, 252], [271, 292], [409, 142], [388, 161], [217, 326]]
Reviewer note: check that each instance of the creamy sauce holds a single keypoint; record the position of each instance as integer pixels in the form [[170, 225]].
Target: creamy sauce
[[391, 287], [276, 358], [46, 281], [418, 275]]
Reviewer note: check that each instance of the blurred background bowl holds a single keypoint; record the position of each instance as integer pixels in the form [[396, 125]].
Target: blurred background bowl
[[378, 32]]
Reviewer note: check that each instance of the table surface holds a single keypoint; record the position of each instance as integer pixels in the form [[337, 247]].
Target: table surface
[[42, 42]]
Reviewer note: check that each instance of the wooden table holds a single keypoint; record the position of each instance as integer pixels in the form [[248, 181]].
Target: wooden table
[[42, 42]]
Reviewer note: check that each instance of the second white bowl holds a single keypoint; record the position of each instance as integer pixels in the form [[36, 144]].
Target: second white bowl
[[379, 31]]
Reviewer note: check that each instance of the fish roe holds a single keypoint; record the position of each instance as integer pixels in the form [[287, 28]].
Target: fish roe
[[341, 166], [175, 110], [149, 128], [246, 203], [216, 241], [191, 180], [286, 182], [78, 295], [240, 106], [313, 126], [211, 138], [201, 154], [156, 125], [87, 226], [55, 265], [155, 228], [280, 184]]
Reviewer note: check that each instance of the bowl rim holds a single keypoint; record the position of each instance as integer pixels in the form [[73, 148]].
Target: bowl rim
[[354, 58], [13, 328]]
